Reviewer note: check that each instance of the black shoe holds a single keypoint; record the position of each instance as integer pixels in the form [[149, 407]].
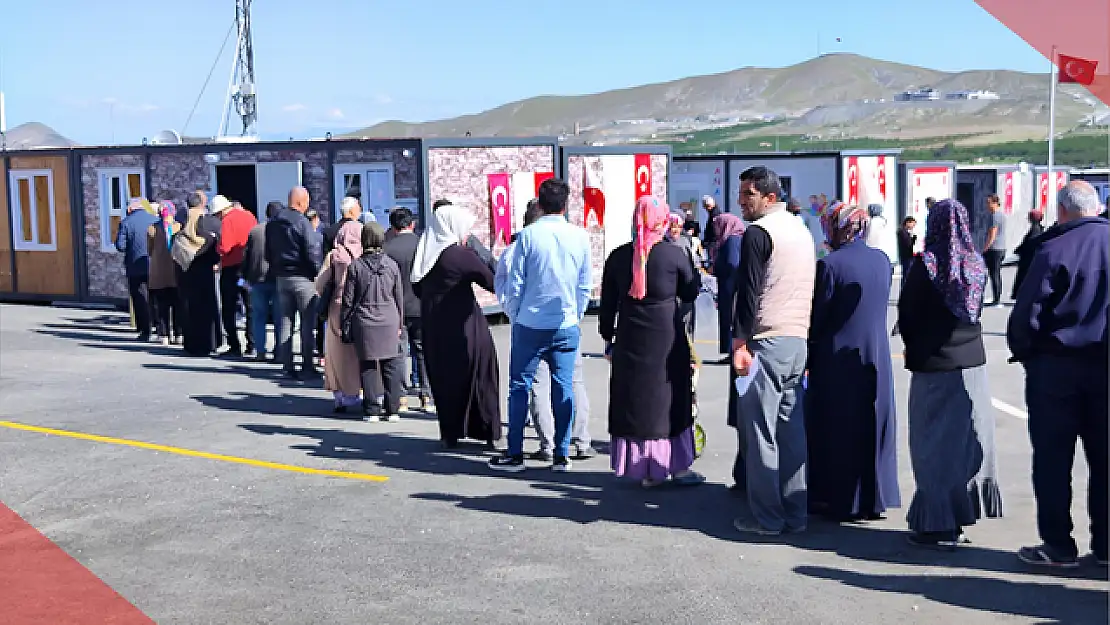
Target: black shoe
[[578, 451], [512, 464], [340, 409], [143, 338], [250, 353], [942, 541], [291, 374], [541, 455], [561, 464], [1043, 555]]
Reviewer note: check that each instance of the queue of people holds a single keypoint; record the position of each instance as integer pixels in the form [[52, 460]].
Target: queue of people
[[811, 391]]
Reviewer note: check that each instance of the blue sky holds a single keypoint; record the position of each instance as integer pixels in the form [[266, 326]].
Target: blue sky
[[125, 69]]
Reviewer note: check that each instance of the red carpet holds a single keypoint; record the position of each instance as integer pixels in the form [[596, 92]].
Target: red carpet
[[41, 584]]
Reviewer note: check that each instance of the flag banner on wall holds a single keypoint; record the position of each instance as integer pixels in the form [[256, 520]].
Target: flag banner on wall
[[593, 197], [501, 212], [524, 186], [853, 181], [643, 175], [882, 180], [1008, 194]]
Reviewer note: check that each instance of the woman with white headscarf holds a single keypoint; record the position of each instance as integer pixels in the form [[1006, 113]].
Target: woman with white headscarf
[[459, 353]]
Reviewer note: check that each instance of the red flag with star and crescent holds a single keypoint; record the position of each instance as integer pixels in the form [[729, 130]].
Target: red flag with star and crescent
[[1076, 70], [501, 214], [643, 175]]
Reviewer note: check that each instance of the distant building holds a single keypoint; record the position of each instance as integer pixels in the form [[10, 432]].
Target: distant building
[[918, 95], [978, 94]]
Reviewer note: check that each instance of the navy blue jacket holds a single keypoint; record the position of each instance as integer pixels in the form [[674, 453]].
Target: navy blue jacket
[[131, 240], [292, 247], [1063, 304]]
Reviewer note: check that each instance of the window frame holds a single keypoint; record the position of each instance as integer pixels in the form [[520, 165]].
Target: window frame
[[104, 176], [16, 211]]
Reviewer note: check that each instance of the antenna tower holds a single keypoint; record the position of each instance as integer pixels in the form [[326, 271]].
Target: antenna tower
[[240, 88]]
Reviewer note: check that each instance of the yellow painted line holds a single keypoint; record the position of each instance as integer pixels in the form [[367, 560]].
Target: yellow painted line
[[192, 453]]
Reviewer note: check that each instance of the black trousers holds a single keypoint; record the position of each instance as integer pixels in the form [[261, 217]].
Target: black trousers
[[389, 372], [138, 287], [1067, 400], [168, 319], [413, 336], [230, 296], [993, 259]]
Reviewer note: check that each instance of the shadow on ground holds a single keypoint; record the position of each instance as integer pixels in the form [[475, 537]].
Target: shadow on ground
[[1056, 603]]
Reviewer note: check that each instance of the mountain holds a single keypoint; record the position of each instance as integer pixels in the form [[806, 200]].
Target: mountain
[[847, 94], [34, 135]]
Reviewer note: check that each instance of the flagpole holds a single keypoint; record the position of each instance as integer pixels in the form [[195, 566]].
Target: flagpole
[[1051, 126]]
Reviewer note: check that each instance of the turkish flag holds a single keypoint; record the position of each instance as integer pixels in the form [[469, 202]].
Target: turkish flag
[[593, 197], [882, 178], [1076, 70], [1008, 206], [501, 212], [643, 176], [853, 181], [540, 176], [1042, 185]]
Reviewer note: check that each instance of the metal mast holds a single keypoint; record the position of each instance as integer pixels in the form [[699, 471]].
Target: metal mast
[[240, 88]]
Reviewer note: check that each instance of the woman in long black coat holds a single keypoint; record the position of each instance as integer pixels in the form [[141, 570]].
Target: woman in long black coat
[[650, 402], [849, 400], [194, 251], [459, 353]]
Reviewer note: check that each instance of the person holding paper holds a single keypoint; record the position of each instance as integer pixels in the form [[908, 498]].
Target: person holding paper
[[771, 322], [849, 399], [651, 419]]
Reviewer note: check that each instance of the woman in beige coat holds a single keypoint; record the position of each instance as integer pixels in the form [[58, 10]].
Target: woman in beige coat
[[341, 367]]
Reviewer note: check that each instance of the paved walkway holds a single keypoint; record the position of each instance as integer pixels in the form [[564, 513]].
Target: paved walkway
[[208, 491]]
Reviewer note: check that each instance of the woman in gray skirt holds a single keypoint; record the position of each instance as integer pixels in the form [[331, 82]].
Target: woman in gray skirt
[[951, 421]]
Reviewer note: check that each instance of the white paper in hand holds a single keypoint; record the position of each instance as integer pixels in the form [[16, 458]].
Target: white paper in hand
[[744, 382]]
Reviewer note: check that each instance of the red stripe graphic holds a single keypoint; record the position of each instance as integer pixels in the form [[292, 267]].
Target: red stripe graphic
[[43, 585]]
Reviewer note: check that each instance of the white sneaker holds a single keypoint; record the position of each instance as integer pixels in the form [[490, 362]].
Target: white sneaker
[[165, 342], [393, 418], [373, 418]]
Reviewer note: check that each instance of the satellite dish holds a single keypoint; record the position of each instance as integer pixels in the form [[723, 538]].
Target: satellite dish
[[166, 137]]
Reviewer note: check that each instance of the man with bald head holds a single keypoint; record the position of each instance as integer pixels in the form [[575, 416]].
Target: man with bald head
[[293, 251], [1057, 331]]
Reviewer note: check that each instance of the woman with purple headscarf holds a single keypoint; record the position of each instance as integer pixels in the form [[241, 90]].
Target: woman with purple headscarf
[[951, 420], [724, 254], [849, 400]]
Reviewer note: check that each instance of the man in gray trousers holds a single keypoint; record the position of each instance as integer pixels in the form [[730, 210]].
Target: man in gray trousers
[[544, 419], [294, 252]]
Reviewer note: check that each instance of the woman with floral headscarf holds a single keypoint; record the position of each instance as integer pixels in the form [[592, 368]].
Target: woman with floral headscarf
[[163, 278], [725, 256], [650, 410], [849, 398], [341, 368], [951, 427]]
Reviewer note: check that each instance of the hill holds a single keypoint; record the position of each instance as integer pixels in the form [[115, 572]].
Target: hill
[[34, 135], [835, 95]]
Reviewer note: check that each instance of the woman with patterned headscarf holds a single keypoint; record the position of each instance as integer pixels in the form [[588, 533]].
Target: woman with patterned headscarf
[[163, 278], [951, 420], [650, 403], [724, 255], [849, 400]]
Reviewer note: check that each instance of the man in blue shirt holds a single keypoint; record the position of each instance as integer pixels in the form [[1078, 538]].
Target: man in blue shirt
[[547, 289], [131, 241]]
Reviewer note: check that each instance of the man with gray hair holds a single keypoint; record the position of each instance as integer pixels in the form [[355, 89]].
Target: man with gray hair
[[1057, 330]]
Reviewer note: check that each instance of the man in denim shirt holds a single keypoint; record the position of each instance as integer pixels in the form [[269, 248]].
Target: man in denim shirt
[[546, 294]]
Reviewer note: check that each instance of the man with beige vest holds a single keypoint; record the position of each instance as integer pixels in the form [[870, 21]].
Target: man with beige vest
[[770, 328]]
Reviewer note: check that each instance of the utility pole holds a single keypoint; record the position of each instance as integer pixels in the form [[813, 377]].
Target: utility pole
[[241, 96]]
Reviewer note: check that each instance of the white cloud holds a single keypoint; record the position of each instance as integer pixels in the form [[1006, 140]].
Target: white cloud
[[294, 108], [383, 98], [335, 114]]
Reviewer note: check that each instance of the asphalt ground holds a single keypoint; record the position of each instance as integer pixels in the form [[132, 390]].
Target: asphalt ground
[[219, 536]]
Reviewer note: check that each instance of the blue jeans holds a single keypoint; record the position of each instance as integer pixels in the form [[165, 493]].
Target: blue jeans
[[559, 349], [264, 302]]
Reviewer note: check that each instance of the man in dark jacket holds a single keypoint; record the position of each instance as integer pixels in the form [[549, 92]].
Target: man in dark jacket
[[1057, 330], [402, 249], [263, 289], [131, 241], [294, 255]]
